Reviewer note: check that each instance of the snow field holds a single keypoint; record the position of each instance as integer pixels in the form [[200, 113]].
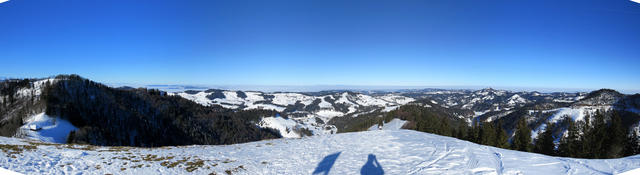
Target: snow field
[[44, 128], [397, 151]]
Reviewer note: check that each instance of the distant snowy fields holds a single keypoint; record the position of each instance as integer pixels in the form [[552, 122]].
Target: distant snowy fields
[[395, 151], [307, 109], [281, 100]]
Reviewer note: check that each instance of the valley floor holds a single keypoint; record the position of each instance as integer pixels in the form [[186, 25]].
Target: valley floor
[[370, 152]]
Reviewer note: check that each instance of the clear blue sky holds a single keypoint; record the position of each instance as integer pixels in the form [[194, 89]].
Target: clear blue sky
[[553, 43]]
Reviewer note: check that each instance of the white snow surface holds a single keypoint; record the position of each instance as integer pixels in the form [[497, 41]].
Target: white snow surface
[[200, 98], [631, 172], [366, 100], [326, 115], [562, 100], [254, 96], [285, 126], [479, 113], [390, 108], [394, 124], [265, 106], [46, 128], [516, 99], [388, 151], [576, 113], [285, 99], [255, 100], [344, 99], [8, 172], [324, 104], [290, 128], [35, 89]]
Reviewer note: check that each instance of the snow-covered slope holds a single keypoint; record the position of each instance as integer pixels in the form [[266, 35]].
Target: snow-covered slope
[[394, 124], [8, 172], [492, 104], [36, 87], [602, 100], [286, 127], [516, 99], [386, 151], [292, 128], [42, 127]]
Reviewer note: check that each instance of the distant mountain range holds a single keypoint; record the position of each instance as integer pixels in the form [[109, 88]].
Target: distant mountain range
[[353, 88], [483, 105]]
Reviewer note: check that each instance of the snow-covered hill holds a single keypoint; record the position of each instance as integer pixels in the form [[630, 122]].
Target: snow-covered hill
[[394, 124], [388, 151], [491, 99], [295, 128], [304, 110], [492, 104], [46, 128], [325, 106]]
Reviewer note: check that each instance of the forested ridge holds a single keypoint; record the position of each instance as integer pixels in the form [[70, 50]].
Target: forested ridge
[[143, 117]]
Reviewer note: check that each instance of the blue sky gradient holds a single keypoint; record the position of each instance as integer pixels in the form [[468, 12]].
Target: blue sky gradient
[[540, 44]]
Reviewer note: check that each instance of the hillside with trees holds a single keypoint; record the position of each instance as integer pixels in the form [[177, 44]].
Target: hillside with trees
[[132, 117], [602, 135]]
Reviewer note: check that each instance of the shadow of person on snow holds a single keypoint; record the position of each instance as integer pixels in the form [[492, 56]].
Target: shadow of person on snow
[[325, 165], [372, 167]]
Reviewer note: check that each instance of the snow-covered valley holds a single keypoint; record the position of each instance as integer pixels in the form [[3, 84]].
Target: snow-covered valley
[[325, 106], [303, 110], [370, 152]]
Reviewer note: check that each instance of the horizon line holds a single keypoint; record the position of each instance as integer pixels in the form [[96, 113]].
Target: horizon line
[[327, 87], [330, 87]]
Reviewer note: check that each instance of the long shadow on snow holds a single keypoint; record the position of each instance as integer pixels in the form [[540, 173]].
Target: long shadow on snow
[[372, 167], [325, 165]]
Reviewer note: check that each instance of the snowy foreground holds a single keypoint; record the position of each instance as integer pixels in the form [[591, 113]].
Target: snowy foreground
[[370, 152]]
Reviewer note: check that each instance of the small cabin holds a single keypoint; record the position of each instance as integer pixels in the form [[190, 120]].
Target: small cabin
[[34, 127]]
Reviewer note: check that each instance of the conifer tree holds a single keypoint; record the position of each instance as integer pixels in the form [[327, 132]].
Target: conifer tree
[[615, 139], [472, 134], [522, 137], [596, 137], [544, 143], [444, 128], [570, 145], [586, 138], [488, 134], [501, 136], [631, 145], [461, 132]]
